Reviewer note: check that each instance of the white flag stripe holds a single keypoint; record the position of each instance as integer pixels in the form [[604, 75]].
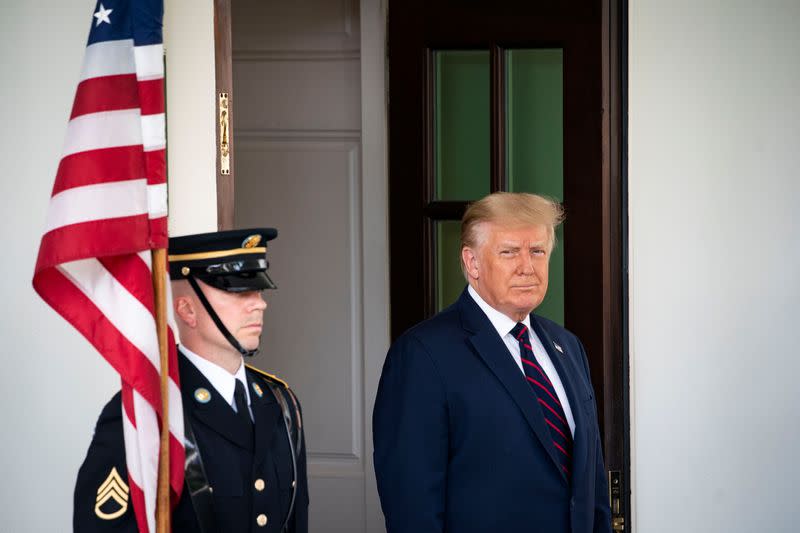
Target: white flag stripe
[[175, 414], [132, 319], [108, 58], [170, 309], [149, 61], [97, 202], [149, 443], [153, 128], [132, 457], [106, 129], [147, 257], [157, 200]]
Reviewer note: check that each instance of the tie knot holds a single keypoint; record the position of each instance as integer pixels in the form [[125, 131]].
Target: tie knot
[[520, 331], [238, 394]]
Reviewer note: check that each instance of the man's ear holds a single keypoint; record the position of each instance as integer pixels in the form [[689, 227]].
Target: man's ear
[[470, 261], [185, 310]]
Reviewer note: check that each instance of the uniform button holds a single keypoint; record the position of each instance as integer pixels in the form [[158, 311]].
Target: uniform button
[[259, 484], [261, 520], [294, 484]]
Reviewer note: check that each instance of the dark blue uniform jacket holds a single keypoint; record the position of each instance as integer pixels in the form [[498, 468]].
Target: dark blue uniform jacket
[[234, 463]]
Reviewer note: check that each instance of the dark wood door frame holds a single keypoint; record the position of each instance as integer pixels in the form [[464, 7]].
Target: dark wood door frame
[[595, 293], [223, 62]]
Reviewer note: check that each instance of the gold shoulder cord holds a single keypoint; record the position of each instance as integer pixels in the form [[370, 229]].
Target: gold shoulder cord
[[267, 375]]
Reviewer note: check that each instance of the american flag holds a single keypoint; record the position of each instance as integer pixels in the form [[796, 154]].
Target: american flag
[[108, 210]]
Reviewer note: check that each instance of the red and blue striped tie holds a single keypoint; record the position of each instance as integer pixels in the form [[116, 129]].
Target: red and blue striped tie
[[547, 398]]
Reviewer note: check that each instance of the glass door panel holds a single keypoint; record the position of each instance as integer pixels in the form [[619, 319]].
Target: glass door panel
[[449, 278], [461, 124], [534, 91], [535, 121]]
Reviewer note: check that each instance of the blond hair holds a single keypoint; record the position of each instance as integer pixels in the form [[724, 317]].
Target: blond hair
[[511, 209]]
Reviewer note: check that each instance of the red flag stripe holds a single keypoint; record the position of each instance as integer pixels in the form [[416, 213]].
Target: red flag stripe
[[135, 275], [175, 466], [99, 166], [106, 93], [174, 373], [158, 233], [84, 315], [156, 165], [97, 238], [151, 96]]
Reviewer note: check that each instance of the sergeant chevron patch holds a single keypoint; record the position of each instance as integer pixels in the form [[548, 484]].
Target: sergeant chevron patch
[[113, 488]]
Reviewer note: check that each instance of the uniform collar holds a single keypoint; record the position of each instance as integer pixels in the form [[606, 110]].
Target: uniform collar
[[222, 380], [502, 323]]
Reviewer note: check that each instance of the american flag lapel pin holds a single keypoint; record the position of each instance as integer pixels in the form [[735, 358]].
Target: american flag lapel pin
[[558, 347]]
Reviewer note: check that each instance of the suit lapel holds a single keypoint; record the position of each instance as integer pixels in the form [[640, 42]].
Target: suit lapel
[[266, 413], [566, 371], [211, 410], [494, 353]]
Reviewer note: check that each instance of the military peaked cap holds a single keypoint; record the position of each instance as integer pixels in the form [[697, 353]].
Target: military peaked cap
[[233, 261]]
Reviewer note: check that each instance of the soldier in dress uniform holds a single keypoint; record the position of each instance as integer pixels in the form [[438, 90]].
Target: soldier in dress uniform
[[245, 464]]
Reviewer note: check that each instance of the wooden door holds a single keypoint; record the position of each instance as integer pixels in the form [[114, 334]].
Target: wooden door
[[524, 96], [296, 106]]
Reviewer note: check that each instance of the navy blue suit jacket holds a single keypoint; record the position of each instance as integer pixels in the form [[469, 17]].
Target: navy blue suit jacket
[[460, 439]]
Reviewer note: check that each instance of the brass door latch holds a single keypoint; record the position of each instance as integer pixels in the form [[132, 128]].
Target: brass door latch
[[224, 135], [615, 493]]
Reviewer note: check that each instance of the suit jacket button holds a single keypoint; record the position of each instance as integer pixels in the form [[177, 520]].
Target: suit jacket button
[[259, 484], [261, 520]]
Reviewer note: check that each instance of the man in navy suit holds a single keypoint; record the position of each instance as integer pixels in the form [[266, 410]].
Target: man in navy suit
[[485, 418]]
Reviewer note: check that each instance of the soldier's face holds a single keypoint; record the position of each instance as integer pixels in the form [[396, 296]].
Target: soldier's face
[[241, 312]]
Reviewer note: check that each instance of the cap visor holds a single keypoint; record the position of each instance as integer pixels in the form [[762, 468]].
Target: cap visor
[[253, 281]]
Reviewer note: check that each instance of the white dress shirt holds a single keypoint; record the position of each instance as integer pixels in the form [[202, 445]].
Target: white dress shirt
[[504, 325], [223, 381]]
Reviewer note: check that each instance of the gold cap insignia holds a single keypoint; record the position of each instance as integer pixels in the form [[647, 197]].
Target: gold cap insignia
[[185, 271], [257, 388], [202, 395], [113, 488], [251, 241]]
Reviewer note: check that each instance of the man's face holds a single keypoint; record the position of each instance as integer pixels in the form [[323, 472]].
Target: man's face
[[510, 266], [241, 312]]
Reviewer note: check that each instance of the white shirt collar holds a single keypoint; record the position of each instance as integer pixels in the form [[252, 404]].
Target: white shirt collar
[[222, 380], [502, 323]]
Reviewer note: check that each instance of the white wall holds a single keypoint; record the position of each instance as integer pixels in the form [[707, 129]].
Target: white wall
[[191, 120], [53, 383], [715, 257]]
